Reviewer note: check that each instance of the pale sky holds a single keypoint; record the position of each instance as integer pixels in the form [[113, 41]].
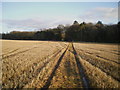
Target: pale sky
[[30, 16]]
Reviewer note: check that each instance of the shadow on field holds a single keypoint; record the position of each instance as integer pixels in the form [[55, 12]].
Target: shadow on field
[[47, 84]]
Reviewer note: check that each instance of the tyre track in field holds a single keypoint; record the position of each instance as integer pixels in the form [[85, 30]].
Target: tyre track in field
[[63, 45], [28, 72], [26, 50], [81, 69], [100, 56], [4, 57], [97, 77], [5, 54], [47, 84], [12, 51], [44, 65], [67, 75], [113, 51], [109, 74], [8, 56]]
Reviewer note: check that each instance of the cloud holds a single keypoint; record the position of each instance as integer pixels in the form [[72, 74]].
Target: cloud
[[107, 15], [25, 24], [34, 23]]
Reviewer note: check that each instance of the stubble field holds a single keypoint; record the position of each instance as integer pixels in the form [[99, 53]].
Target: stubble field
[[47, 64]]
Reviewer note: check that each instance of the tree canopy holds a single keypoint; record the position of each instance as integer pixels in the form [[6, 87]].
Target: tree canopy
[[85, 32]]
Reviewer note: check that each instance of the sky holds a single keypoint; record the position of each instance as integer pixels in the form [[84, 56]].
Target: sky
[[31, 16]]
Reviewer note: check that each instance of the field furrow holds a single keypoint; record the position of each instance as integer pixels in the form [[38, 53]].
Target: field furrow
[[99, 56], [15, 53], [98, 78], [23, 66], [67, 74], [81, 69], [43, 77], [51, 64], [111, 49], [98, 52], [108, 67]]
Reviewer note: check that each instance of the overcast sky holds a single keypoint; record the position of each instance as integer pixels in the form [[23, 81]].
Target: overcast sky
[[29, 16]]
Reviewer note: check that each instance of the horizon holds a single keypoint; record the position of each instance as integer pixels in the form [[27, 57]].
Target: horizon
[[31, 16], [44, 29]]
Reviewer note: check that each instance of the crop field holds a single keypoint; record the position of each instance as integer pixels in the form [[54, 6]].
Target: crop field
[[52, 64]]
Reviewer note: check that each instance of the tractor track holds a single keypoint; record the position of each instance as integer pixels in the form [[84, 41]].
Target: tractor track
[[37, 70], [81, 70], [14, 53], [45, 72], [109, 74], [79, 66], [44, 65], [113, 51], [117, 62], [8, 56], [47, 84]]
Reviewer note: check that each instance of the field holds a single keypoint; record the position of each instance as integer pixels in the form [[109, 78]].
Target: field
[[48, 64]]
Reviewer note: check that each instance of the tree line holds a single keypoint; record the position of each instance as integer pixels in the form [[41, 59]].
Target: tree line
[[85, 32]]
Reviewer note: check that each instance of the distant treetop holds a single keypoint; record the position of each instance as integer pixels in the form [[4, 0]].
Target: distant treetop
[[75, 23], [99, 22], [60, 26], [119, 22]]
